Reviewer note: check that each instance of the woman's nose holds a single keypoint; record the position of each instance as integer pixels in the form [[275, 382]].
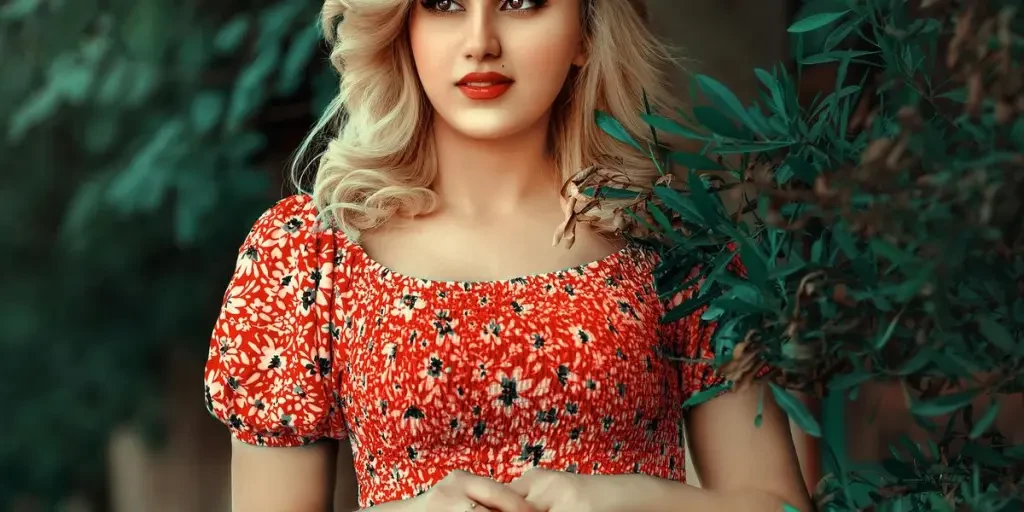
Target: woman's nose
[[482, 41]]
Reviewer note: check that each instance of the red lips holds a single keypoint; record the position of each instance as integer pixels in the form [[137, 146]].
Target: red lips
[[484, 86]]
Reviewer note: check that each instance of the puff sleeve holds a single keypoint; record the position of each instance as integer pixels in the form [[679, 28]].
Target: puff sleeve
[[270, 374], [691, 338]]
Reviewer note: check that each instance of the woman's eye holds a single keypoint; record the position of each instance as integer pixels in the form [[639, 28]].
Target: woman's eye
[[442, 5], [519, 5], [449, 6]]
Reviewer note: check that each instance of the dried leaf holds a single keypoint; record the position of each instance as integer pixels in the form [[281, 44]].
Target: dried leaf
[[975, 93], [876, 151], [567, 230], [743, 366]]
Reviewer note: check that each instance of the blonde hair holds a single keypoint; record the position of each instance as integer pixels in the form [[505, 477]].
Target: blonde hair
[[379, 159]]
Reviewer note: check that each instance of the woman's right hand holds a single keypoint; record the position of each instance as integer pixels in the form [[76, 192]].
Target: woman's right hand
[[461, 491]]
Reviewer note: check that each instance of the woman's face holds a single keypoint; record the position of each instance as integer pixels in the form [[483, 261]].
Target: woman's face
[[521, 51]]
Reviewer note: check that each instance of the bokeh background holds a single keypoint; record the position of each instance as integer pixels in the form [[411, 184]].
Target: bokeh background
[[139, 140]]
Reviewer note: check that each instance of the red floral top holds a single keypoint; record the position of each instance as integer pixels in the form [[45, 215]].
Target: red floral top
[[565, 370]]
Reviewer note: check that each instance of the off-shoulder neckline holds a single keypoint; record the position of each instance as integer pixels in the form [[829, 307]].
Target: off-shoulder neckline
[[610, 260]]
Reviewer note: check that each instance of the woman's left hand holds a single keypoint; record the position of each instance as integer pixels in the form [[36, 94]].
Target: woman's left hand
[[557, 491]]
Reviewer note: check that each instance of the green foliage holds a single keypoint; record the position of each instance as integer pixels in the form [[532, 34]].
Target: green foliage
[[133, 157], [880, 229]]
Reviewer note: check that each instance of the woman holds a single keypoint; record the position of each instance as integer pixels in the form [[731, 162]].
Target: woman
[[412, 310]]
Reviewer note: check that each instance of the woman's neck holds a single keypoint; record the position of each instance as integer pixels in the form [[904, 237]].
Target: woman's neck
[[494, 176]]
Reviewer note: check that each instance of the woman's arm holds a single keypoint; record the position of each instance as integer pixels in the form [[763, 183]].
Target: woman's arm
[[298, 479], [346, 490], [743, 466]]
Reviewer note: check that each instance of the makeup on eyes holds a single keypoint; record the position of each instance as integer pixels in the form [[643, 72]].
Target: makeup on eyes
[[513, 6]]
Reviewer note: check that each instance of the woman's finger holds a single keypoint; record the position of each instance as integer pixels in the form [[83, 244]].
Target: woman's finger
[[472, 506], [522, 484], [494, 495]]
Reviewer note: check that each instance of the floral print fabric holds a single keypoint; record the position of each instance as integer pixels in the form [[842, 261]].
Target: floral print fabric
[[566, 370]]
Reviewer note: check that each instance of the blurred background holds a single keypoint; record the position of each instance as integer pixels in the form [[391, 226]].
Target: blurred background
[[140, 139]]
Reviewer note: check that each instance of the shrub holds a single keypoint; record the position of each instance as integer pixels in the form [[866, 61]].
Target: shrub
[[880, 227], [134, 149]]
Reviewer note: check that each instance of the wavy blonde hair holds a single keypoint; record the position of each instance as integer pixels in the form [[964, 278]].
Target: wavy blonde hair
[[379, 159]]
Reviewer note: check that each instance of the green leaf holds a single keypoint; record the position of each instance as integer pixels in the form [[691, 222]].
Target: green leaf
[[712, 313], [695, 162], [834, 56], [899, 469], [717, 122], [207, 108], [840, 34], [1017, 133], [958, 95], [985, 455], [303, 48], [759, 417], [815, 22], [796, 410], [276, 21], [705, 202], [705, 395], [232, 34], [720, 266], [998, 335], [726, 98], [802, 169], [890, 252], [884, 338], [19, 9], [33, 111], [754, 261], [818, 251], [679, 203], [613, 127], [913, 449], [774, 87], [142, 184], [844, 239], [985, 421], [196, 198], [754, 147], [911, 286], [669, 126], [688, 307], [611, 193], [846, 381], [789, 269], [1015, 452], [664, 222], [250, 90], [739, 305], [943, 404]]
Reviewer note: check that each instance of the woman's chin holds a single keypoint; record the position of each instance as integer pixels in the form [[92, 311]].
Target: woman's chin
[[492, 123]]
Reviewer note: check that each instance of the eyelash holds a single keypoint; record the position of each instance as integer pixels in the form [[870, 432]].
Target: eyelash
[[431, 5]]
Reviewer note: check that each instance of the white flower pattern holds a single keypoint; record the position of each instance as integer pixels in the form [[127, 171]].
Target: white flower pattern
[[564, 370]]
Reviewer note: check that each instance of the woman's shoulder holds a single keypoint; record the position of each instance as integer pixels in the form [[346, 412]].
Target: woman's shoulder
[[295, 214], [271, 344], [291, 222]]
